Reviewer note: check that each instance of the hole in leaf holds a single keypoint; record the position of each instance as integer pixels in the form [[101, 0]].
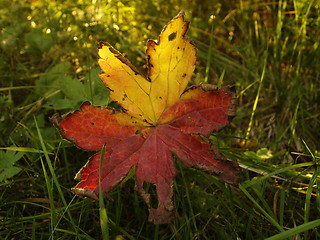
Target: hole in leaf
[[138, 132], [172, 36], [151, 189]]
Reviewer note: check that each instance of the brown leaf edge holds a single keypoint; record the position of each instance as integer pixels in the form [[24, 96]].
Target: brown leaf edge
[[231, 91], [121, 58], [232, 112], [165, 213], [55, 120], [233, 164]]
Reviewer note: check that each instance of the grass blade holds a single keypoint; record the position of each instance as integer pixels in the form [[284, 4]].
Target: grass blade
[[254, 108], [54, 177], [104, 222], [311, 184], [50, 195], [302, 228], [271, 219]]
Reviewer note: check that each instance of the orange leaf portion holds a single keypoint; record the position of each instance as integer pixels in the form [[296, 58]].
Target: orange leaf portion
[[92, 127]]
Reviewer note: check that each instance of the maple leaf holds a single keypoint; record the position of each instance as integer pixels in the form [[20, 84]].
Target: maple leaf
[[158, 118]]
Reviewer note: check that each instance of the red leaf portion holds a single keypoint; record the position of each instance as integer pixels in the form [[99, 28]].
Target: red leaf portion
[[195, 152], [92, 127], [201, 111], [156, 166], [117, 162], [131, 142]]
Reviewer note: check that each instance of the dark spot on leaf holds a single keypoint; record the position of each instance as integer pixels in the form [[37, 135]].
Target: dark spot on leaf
[[160, 97], [172, 36], [178, 47], [124, 97], [92, 123], [184, 75]]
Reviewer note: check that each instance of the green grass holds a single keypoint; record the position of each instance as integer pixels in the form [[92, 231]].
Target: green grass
[[268, 50]]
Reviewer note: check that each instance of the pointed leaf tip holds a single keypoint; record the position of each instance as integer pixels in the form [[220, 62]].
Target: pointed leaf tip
[[171, 64]]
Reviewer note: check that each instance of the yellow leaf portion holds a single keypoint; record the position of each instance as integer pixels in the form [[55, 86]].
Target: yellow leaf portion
[[128, 87], [171, 64]]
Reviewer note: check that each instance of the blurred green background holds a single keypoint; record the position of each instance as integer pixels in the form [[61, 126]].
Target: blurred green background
[[268, 50]]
